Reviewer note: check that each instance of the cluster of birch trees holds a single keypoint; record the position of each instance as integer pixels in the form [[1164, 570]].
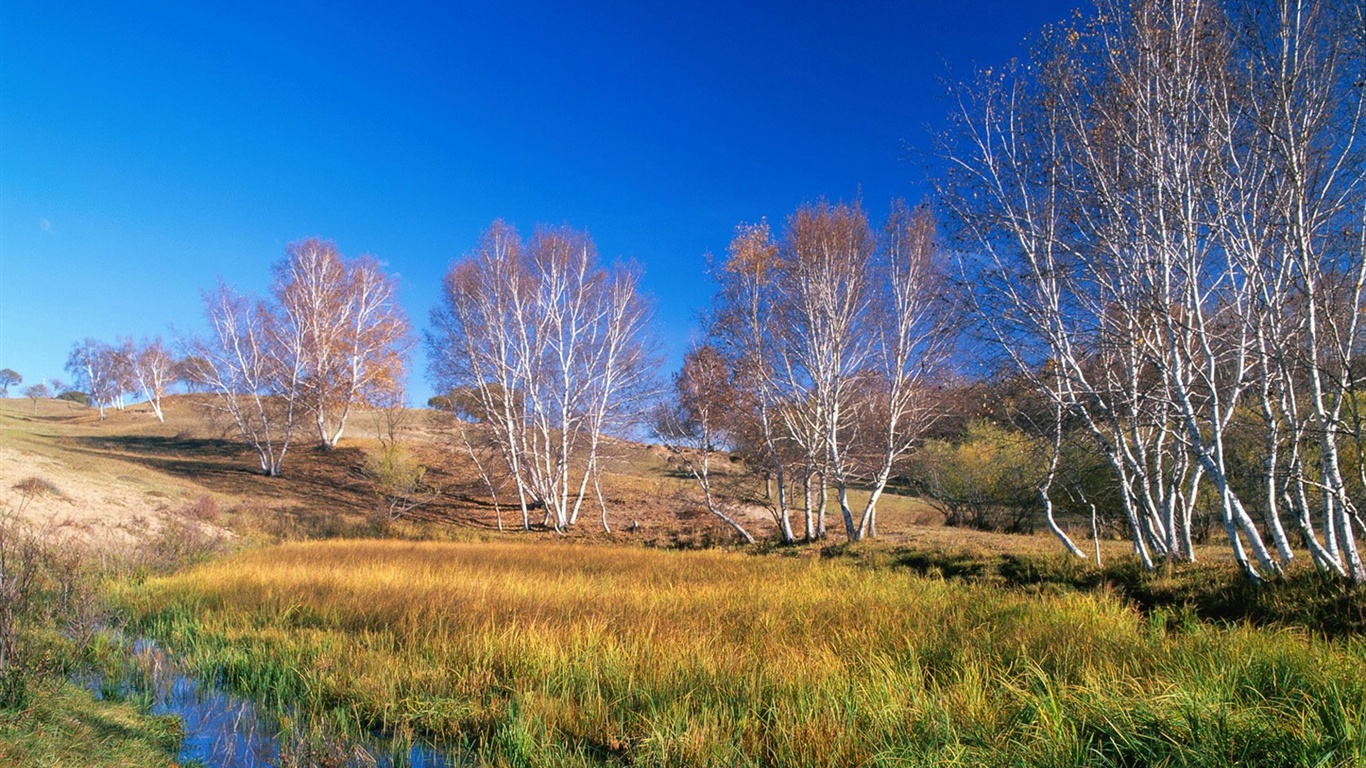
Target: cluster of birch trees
[[331, 335], [1162, 215], [108, 373], [825, 341], [546, 347]]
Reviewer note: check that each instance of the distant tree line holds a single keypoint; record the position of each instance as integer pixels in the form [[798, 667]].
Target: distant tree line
[[35, 392]]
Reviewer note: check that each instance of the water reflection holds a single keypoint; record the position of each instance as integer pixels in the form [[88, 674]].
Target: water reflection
[[223, 730]]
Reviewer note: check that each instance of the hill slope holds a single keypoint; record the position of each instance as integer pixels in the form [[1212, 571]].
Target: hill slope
[[125, 476]]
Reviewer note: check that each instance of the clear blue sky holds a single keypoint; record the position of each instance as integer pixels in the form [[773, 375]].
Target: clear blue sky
[[148, 148]]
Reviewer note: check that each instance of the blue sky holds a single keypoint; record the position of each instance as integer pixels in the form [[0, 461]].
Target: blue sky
[[148, 148]]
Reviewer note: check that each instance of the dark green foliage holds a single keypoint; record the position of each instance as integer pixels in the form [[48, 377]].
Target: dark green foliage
[[75, 396], [1303, 598]]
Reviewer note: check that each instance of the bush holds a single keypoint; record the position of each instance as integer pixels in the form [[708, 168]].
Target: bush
[[46, 592], [75, 396], [34, 487], [178, 542], [399, 482], [987, 479]]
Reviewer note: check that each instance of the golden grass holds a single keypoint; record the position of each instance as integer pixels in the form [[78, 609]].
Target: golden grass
[[571, 654]]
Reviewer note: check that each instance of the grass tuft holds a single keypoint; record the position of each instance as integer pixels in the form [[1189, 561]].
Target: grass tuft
[[36, 487]]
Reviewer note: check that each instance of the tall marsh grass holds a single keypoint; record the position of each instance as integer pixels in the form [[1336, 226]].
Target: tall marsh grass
[[545, 654]]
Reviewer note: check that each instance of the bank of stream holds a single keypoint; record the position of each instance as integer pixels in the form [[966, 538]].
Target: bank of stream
[[224, 730]]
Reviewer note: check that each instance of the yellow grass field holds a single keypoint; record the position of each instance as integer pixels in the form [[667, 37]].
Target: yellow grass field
[[538, 653], [935, 646]]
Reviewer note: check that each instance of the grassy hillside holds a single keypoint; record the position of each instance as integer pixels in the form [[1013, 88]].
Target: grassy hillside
[[121, 477]]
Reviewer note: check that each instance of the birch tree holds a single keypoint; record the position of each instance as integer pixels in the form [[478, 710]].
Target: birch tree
[[692, 424], [912, 331], [1091, 255], [823, 300], [836, 333], [1133, 197], [1297, 225], [253, 361], [473, 344], [553, 347], [153, 368], [745, 329], [355, 334], [119, 365], [91, 364]]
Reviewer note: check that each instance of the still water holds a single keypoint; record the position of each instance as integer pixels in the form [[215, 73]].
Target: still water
[[223, 730]]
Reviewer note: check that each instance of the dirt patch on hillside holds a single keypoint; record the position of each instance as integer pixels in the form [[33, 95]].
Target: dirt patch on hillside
[[86, 502]]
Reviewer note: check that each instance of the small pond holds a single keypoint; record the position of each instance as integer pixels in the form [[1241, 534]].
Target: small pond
[[223, 730]]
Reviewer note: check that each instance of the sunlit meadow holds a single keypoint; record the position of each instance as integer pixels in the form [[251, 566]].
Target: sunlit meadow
[[536, 654]]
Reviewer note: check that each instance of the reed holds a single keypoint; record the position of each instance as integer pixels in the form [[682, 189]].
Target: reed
[[574, 654]]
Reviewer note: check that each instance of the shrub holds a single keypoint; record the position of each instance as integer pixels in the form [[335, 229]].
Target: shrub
[[75, 396], [33, 487], [46, 592], [399, 481], [988, 479]]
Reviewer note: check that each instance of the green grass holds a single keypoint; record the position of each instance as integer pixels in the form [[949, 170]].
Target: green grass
[[545, 654], [66, 726], [50, 613]]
